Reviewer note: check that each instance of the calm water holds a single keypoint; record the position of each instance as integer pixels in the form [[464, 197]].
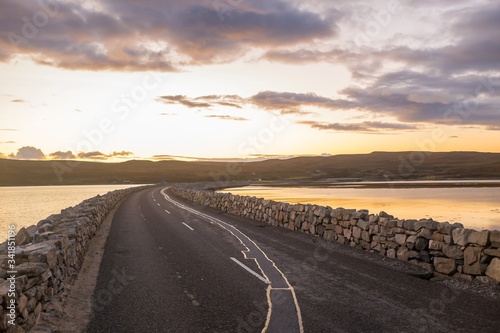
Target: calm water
[[26, 205], [474, 207]]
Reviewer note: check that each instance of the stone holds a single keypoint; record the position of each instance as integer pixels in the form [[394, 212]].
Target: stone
[[436, 245], [363, 224], [444, 265], [365, 235], [391, 253], [493, 270], [465, 277], [438, 237], [453, 251], [402, 253], [356, 232], [421, 243], [425, 256], [22, 237], [480, 238], [428, 224], [347, 233], [495, 238], [425, 233], [409, 224], [461, 236], [448, 239], [411, 239], [31, 269], [445, 228], [400, 239], [492, 252], [472, 260]]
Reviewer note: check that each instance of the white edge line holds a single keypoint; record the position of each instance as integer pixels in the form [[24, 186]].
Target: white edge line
[[268, 292], [187, 226], [249, 270]]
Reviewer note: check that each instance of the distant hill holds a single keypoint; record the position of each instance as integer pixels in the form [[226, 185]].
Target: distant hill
[[374, 166]]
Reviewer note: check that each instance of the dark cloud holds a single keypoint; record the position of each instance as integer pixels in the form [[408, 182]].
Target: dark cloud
[[29, 153], [367, 126], [417, 97], [154, 34], [226, 117]]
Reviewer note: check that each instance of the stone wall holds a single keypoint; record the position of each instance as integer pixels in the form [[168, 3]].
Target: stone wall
[[48, 257], [441, 248]]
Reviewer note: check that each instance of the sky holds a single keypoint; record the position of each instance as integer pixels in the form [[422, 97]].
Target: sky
[[247, 79]]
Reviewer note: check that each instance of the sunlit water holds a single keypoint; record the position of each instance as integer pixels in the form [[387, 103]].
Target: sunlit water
[[474, 207], [26, 205]]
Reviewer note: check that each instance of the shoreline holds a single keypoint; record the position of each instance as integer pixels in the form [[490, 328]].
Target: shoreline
[[449, 183]]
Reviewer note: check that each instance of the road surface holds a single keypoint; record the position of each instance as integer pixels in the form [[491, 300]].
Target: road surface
[[173, 266]]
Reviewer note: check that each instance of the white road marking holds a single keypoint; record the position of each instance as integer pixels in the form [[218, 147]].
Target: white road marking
[[260, 277], [158, 203], [239, 235], [188, 226], [166, 211]]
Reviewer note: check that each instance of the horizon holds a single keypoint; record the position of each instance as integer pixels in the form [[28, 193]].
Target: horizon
[[240, 80], [230, 160]]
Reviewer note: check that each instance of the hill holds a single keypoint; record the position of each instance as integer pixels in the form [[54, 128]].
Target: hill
[[373, 166]]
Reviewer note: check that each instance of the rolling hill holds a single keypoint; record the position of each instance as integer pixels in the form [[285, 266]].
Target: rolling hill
[[373, 166]]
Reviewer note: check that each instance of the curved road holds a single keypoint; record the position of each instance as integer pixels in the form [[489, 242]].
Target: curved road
[[172, 266]]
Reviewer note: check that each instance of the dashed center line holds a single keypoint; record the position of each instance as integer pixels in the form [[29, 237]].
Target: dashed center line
[[158, 203], [166, 211], [187, 226]]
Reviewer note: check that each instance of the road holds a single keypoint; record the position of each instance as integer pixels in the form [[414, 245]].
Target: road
[[173, 266]]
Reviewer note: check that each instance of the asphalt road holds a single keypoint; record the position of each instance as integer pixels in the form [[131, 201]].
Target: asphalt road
[[173, 266]]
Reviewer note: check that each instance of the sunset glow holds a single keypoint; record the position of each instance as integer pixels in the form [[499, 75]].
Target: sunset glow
[[115, 80]]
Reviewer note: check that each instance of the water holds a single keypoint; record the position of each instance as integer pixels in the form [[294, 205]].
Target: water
[[474, 207], [26, 205]]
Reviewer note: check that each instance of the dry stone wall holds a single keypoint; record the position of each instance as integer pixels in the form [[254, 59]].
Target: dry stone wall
[[48, 257], [441, 248]]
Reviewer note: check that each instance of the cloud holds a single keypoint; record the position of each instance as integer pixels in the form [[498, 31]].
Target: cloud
[[156, 34], [8, 129], [419, 97], [122, 153], [183, 100], [288, 101], [94, 155], [225, 117], [367, 126], [29, 153], [97, 155], [285, 102], [7, 142], [62, 155], [18, 101]]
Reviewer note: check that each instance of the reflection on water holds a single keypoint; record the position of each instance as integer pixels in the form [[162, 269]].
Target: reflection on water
[[474, 207], [26, 205]]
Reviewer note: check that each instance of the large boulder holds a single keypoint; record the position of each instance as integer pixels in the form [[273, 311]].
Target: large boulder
[[444, 265]]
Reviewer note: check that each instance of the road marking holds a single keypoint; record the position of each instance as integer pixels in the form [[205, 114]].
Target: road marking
[[277, 280], [260, 277], [158, 203], [188, 226], [166, 211]]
